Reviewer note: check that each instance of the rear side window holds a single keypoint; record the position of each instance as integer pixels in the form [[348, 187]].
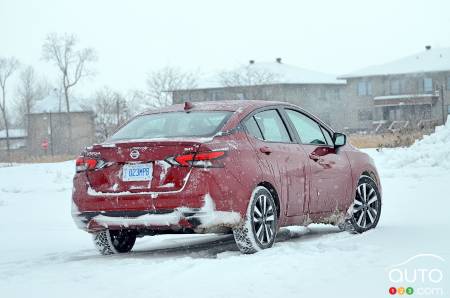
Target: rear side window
[[272, 127], [253, 128], [173, 124], [308, 129]]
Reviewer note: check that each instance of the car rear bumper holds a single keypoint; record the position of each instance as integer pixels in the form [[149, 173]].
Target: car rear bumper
[[199, 220], [199, 207]]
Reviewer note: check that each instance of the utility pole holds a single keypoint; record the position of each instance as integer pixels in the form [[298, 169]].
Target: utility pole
[[441, 96]]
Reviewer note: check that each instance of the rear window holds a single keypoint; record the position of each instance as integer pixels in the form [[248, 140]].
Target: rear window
[[174, 124]]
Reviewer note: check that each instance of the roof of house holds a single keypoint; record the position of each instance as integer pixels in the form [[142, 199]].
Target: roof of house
[[432, 60], [53, 103], [13, 133], [281, 72]]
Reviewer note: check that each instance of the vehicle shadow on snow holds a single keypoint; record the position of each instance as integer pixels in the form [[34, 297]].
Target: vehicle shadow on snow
[[208, 246]]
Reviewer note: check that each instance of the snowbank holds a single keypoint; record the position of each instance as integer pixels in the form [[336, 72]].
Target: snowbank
[[433, 151]]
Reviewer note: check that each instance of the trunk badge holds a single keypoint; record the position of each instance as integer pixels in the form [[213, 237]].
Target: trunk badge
[[134, 154]]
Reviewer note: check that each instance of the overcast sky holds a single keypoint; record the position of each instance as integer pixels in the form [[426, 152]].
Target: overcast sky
[[134, 37]]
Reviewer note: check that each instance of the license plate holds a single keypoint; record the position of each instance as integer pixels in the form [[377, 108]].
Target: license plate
[[137, 172]]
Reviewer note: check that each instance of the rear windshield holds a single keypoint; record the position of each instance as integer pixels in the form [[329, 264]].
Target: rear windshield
[[174, 124]]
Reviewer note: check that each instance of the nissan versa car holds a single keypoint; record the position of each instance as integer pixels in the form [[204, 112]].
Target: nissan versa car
[[246, 167]]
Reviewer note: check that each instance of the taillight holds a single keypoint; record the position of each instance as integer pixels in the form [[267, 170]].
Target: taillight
[[83, 164], [200, 160]]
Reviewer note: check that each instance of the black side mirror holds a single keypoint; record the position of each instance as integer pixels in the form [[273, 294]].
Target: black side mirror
[[339, 139]]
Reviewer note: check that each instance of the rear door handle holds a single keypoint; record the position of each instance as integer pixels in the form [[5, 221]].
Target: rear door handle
[[265, 150]]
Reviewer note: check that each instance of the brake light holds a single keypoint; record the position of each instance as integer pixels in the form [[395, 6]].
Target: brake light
[[83, 164], [200, 160]]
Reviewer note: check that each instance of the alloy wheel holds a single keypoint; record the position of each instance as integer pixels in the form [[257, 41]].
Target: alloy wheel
[[366, 206], [264, 223]]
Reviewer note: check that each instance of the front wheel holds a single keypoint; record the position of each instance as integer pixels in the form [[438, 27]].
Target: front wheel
[[259, 229], [110, 242], [366, 209]]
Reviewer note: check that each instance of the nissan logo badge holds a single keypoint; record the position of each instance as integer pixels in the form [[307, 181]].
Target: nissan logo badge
[[134, 154]]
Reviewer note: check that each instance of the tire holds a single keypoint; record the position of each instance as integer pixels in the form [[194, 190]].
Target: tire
[[110, 242], [259, 228], [366, 208]]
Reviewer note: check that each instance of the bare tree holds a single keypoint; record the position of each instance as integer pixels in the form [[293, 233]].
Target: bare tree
[[72, 63], [7, 67], [166, 79], [111, 110], [29, 90], [247, 80]]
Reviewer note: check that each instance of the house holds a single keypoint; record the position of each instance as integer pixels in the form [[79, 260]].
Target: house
[[17, 141], [53, 131], [317, 92], [411, 92]]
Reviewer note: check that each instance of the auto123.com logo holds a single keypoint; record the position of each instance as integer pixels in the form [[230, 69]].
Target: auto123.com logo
[[421, 275]]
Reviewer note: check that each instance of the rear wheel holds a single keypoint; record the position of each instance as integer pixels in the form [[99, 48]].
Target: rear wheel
[[366, 208], [110, 242], [259, 229]]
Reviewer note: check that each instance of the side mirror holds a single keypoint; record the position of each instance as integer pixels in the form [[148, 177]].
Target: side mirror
[[339, 139]]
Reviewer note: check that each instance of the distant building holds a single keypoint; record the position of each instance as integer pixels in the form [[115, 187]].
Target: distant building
[[320, 93], [49, 127], [408, 93], [17, 142], [412, 92]]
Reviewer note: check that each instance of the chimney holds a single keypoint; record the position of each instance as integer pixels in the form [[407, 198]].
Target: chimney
[[428, 47], [278, 60], [251, 61]]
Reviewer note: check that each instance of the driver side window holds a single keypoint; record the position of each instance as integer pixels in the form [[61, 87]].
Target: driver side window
[[309, 131]]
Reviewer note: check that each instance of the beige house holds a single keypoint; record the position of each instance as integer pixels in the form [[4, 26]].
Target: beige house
[[408, 93]]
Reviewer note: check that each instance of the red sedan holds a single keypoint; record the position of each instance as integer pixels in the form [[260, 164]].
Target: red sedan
[[246, 167]]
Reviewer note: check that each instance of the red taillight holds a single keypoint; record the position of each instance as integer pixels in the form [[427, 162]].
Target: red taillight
[[202, 159], [83, 164]]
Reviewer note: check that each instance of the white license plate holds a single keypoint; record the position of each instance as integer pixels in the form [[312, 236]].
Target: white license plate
[[137, 172]]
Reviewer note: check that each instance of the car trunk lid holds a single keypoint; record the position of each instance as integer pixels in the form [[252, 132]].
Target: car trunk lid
[[140, 166]]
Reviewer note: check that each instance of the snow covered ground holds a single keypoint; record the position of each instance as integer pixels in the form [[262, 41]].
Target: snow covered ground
[[42, 254]]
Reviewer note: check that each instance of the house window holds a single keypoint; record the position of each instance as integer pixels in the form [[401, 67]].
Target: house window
[[395, 87], [364, 88], [427, 85]]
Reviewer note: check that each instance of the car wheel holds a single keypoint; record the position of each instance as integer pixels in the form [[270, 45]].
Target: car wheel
[[366, 209], [259, 228], [112, 242]]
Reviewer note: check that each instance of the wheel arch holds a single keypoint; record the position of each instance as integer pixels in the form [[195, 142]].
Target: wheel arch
[[274, 193]]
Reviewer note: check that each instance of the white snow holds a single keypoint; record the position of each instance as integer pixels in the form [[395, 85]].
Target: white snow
[[435, 59], [404, 96], [282, 73], [43, 254]]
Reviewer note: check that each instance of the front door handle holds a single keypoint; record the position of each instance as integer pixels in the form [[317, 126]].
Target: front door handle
[[265, 150]]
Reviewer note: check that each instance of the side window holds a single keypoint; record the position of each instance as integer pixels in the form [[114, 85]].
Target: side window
[[253, 128], [272, 127], [308, 129]]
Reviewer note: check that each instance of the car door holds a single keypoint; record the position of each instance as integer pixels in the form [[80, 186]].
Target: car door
[[329, 169], [281, 158]]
